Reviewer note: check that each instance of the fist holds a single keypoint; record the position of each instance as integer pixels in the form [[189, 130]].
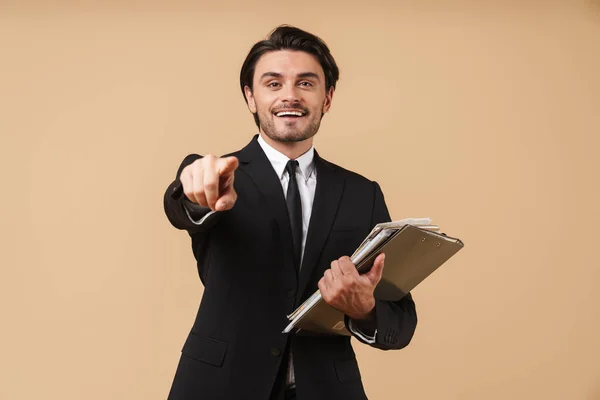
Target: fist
[[209, 182], [343, 288]]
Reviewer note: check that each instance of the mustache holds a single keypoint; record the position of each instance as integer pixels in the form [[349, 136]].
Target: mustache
[[291, 107]]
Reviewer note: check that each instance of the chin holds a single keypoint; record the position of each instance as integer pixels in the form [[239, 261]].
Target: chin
[[293, 136], [289, 134]]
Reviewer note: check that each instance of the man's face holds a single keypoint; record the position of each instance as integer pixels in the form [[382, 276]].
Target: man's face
[[289, 95]]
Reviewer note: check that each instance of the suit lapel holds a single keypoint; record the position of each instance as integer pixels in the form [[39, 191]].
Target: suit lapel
[[330, 185], [255, 163]]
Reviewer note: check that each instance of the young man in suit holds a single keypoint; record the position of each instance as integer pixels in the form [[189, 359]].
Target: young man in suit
[[270, 224]]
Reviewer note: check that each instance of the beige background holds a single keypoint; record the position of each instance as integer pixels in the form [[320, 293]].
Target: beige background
[[484, 116]]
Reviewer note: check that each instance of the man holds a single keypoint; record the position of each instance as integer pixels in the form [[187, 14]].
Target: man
[[269, 225]]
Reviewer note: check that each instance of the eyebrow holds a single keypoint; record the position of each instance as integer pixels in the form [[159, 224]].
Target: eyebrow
[[271, 75], [308, 75], [278, 75]]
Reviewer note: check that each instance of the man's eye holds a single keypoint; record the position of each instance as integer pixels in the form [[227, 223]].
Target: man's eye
[[305, 84], [273, 84]]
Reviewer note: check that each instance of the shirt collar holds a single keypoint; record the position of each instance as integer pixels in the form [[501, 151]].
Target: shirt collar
[[279, 160]]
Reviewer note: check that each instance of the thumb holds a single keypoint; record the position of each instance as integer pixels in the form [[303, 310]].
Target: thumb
[[376, 271], [227, 199], [226, 166]]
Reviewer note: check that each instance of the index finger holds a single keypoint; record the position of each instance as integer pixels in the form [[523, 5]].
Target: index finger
[[226, 166]]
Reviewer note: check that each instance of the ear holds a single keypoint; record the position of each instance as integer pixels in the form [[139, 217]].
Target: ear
[[328, 99], [250, 99]]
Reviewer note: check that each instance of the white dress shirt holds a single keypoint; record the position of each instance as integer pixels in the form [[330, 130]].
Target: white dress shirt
[[306, 176]]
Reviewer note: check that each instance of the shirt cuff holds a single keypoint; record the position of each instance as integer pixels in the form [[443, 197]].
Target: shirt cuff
[[368, 339], [201, 220]]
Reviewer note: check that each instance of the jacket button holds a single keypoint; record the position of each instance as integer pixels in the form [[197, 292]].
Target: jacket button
[[275, 352]]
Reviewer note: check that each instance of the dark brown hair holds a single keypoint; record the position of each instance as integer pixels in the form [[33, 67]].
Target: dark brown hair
[[287, 37]]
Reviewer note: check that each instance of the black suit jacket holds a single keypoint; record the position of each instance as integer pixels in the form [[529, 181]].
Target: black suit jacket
[[244, 259]]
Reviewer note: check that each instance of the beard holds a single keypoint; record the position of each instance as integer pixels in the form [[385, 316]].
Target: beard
[[290, 132]]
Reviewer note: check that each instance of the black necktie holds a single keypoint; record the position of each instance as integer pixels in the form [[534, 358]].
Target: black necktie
[[294, 206]]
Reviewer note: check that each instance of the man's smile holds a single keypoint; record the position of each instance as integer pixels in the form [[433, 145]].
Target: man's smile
[[290, 114]]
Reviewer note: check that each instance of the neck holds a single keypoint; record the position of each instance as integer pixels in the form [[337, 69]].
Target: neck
[[292, 150]]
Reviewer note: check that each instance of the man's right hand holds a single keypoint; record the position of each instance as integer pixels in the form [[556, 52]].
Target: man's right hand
[[208, 182]]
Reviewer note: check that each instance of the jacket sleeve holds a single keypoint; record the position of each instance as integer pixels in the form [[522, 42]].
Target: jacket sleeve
[[182, 213], [395, 321]]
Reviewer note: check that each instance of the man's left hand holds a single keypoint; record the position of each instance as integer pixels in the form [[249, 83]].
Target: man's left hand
[[343, 288]]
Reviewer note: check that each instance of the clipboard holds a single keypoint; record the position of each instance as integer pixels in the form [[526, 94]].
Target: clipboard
[[413, 251]]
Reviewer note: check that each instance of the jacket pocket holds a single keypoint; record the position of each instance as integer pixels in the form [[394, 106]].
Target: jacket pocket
[[347, 370], [205, 349]]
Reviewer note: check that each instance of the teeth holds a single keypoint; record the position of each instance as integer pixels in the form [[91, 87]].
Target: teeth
[[284, 113]]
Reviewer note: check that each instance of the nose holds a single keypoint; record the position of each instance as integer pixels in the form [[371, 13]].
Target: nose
[[290, 93]]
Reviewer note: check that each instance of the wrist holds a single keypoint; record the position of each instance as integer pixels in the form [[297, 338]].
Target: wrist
[[368, 315]]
